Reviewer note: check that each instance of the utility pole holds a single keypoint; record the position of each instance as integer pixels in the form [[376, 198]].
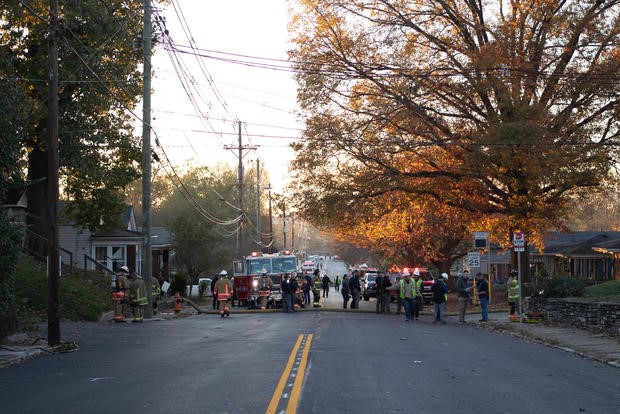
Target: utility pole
[[147, 260], [240, 149], [270, 222], [284, 224], [292, 231], [53, 251], [259, 237]]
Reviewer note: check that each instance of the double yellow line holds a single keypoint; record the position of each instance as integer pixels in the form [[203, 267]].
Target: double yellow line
[[295, 368]]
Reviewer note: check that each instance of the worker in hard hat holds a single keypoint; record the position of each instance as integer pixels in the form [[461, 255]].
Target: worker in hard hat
[[224, 290], [513, 291], [138, 297], [264, 288], [120, 294]]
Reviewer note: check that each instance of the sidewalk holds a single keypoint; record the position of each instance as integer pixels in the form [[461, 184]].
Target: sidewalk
[[601, 348]]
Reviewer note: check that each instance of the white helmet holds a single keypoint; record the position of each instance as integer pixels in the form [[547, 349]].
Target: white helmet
[[444, 275], [223, 273], [124, 269]]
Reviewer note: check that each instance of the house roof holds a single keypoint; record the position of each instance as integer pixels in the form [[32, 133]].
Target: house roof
[[160, 237], [580, 243], [119, 234], [611, 246]]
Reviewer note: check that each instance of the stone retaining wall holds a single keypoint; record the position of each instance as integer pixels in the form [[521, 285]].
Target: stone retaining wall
[[595, 316]]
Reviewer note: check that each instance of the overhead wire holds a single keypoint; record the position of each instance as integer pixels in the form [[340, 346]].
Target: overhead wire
[[181, 185]]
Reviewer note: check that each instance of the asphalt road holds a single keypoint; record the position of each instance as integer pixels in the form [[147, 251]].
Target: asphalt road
[[346, 362]]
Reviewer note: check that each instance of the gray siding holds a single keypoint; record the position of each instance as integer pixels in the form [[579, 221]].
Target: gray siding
[[75, 241]]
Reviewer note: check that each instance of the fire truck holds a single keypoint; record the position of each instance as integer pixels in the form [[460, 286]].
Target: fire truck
[[246, 273]]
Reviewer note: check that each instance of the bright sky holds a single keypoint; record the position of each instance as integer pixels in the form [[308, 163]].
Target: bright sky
[[263, 99]]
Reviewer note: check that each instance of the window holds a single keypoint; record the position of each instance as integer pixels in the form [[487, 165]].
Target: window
[[101, 253]]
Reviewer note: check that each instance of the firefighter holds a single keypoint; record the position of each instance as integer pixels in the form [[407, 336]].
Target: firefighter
[[224, 290], [316, 288], [513, 291], [138, 297], [120, 294], [155, 293], [264, 289]]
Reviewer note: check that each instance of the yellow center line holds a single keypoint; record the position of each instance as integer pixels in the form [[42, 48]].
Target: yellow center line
[[273, 405], [291, 408]]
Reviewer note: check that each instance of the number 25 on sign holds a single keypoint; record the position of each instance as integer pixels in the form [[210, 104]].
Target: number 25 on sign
[[473, 259]]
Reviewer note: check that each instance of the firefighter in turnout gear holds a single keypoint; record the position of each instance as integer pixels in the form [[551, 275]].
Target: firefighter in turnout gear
[[264, 289], [224, 290], [138, 297], [120, 294], [316, 288], [513, 291]]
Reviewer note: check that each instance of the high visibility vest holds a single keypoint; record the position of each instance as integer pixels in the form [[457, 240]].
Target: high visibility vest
[[415, 286]]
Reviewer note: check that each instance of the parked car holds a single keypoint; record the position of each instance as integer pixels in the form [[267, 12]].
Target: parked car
[[369, 288]]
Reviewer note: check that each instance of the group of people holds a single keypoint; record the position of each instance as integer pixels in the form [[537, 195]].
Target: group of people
[[129, 291], [409, 294], [407, 289]]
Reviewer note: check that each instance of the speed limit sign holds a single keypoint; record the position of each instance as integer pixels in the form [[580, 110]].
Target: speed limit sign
[[473, 259]]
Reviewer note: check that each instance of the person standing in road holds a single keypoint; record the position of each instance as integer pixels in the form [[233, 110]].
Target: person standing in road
[[345, 291], [287, 293], [326, 286], [293, 286], [383, 293], [307, 287], [379, 291], [316, 288], [138, 297], [406, 291], [440, 292], [213, 282], [513, 291], [482, 287], [356, 288], [396, 288], [155, 293], [264, 289], [224, 292], [120, 294], [337, 283], [418, 299], [463, 288]]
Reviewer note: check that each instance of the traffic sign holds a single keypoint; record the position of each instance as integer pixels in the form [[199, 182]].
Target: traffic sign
[[473, 259], [518, 241], [480, 239]]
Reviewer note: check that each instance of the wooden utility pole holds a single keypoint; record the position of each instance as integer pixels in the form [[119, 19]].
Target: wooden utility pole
[[259, 237], [147, 259], [53, 251], [240, 149], [270, 222]]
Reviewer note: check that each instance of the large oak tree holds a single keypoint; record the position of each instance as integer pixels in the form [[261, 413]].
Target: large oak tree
[[504, 109]]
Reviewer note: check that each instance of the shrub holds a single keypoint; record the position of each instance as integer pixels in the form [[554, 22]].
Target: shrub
[[607, 291], [563, 287], [84, 296]]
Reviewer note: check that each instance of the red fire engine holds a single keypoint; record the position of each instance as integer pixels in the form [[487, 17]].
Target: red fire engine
[[246, 273]]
